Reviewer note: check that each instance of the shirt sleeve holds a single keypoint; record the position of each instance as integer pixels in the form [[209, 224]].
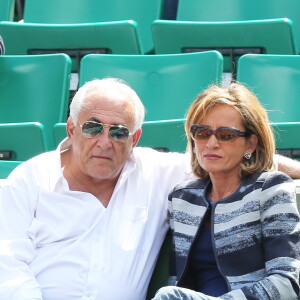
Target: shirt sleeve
[[17, 250]]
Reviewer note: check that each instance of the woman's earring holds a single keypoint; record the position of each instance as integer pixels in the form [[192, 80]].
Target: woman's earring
[[248, 155], [194, 150]]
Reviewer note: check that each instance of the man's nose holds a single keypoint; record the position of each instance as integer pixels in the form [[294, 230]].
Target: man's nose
[[104, 140]]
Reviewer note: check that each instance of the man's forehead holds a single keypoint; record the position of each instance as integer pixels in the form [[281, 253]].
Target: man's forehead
[[102, 100], [106, 109]]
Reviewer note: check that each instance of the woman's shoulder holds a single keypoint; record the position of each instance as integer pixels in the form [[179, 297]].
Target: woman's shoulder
[[191, 185], [272, 178]]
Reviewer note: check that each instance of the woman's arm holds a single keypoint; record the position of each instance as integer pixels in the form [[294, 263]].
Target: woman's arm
[[280, 227]]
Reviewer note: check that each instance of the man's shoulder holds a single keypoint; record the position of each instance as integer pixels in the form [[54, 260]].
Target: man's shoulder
[[154, 156], [151, 159], [41, 163]]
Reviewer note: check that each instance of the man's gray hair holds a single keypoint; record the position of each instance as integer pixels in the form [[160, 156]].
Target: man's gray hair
[[109, 84]]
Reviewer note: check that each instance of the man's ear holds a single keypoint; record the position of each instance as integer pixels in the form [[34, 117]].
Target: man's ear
[[136, 136], [70, 127]]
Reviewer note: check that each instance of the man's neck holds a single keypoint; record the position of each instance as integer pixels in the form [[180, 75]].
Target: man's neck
[[102, 189]]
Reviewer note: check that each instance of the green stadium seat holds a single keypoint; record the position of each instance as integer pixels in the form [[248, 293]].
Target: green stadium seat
[[165, 136], [275, 80], [231, 39], [35, 88], [21, 141], [59, 131], [166, 84], [92, 11], [161, 271], [287, 136], [6, 167], [237, 10], [76, 40], [7, 10]]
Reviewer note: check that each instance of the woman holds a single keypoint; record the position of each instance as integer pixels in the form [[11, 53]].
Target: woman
[[235, 230]]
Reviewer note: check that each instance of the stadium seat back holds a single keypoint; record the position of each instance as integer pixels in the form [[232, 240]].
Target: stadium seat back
[[165, 136], [35, 88], [237, 10], [59, 131], [231, 39], [275, 80], [166, 84], [21, 141], [6, 167], [287, 136], [91, 11], [76, 40], [7, 10]]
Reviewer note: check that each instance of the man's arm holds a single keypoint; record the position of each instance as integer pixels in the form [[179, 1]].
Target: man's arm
[[16, 248], [289, 166]]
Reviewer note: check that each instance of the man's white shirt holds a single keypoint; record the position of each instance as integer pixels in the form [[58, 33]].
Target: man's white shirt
[[58, 244]]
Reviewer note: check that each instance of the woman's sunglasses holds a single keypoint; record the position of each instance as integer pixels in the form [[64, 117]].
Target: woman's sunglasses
[[222, 134], [118, 133]]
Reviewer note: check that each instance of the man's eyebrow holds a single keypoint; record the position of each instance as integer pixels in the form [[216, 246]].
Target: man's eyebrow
[[94, 119], [99, 121]]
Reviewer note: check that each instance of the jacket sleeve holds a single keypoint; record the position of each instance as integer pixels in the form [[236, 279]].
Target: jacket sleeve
[[172, 259], [281, 243], [16, 248]]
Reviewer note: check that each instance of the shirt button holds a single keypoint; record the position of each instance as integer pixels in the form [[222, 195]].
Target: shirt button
[[88, 294]]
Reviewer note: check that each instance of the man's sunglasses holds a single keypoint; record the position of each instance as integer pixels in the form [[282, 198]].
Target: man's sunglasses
[[222, 134], [118, 133]]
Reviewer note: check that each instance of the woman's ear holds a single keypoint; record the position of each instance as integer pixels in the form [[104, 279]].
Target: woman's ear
[[252, 143]]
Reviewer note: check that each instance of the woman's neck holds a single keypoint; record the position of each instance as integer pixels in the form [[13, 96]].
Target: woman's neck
[[223, 187]]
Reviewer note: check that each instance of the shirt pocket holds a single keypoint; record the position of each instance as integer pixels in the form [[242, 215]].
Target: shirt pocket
[[131, 229]]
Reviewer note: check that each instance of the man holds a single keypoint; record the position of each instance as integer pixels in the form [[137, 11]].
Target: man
[[87, 221]]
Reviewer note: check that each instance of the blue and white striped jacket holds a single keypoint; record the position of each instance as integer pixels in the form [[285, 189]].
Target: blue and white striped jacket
[[256, 235]]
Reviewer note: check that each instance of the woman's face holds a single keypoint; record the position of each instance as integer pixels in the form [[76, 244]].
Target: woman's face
[[223, 158]]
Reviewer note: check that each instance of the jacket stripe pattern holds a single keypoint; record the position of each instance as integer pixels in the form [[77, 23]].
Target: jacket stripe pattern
[[256, 235]]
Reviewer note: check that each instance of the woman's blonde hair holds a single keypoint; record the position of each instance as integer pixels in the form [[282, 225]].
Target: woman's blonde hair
[[254, 118]]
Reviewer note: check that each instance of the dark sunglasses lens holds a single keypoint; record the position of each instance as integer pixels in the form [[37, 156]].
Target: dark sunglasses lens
[[119, 133], [201, 133], [226, 135], [91, 129]]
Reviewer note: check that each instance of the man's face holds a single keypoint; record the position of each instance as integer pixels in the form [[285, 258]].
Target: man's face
[[101, 157]]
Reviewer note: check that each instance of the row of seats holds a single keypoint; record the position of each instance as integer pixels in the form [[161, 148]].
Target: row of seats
[[34, 88], [232, 39], [66, 12], [272, 27]]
